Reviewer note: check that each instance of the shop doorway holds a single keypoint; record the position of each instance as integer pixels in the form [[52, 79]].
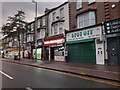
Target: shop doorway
[[52, 54], [47, 53], [113, 49], [99, 52]]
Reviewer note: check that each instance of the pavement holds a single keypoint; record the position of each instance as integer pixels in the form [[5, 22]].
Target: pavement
[[98, 71]]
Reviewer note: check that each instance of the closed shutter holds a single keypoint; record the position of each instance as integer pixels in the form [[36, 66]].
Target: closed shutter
[[82, 52]]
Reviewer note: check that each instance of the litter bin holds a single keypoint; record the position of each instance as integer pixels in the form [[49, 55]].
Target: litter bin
[[15, 57]]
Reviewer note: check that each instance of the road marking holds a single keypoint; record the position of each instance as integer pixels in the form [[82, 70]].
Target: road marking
[[6, 75], [96, 79], [28, 88], [87, 78]]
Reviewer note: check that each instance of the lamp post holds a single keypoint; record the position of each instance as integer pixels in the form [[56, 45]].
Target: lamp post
[[35, 30]]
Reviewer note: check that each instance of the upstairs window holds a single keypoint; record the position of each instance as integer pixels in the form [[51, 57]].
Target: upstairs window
[[41, 34], [61, 12], [30, 38], [39, 22], [43, 21], [32, 27], [79, 4], [91, 1], [60, 28], [86, 19], [55, 29], [53, 16]]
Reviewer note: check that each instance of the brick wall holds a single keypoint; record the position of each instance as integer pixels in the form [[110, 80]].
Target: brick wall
[[104, 12]]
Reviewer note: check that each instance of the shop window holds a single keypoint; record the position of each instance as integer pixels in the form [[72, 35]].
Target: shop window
[[59, 51]]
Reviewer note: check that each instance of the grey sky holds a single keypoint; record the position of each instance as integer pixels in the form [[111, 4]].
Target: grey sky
[[10, 7]]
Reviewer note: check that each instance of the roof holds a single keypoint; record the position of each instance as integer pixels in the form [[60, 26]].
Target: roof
[[49, 10]]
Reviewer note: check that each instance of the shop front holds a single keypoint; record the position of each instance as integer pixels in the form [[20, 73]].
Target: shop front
[[112, 30], [55, 49], [85, 46], [27, 53], [39, 49], [11, 52]]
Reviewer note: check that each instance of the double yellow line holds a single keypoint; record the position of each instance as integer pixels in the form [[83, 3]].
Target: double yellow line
[[113, 83]]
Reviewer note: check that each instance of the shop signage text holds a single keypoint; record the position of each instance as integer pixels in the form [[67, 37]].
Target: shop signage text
[[84, 34], [112, 26], [54, 42]]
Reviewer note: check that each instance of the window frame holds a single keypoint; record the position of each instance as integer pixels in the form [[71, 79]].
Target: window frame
[[91, 1], [81, 19], [43, 21], [32, 27], [39, 23], [62, 13], [61, 27], [78, 4], [53, 16]]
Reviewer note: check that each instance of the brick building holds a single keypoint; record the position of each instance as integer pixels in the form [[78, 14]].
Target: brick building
[[86, 41]]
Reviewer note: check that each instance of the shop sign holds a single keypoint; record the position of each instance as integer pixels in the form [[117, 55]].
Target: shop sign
[[84, 34], [54, 42], [112, 26]]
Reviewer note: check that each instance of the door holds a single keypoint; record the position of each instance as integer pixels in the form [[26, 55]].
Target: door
[[47, 53], [113, 47], [52, 54], [99, 52], [39, 53]]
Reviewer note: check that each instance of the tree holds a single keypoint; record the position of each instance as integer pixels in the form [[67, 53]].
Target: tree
[[15, 26]]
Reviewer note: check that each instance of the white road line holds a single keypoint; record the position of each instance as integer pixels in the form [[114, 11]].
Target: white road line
[[28, 88], [6, 75]]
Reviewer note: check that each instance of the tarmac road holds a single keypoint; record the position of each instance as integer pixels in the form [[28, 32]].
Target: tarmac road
[[20, 76]]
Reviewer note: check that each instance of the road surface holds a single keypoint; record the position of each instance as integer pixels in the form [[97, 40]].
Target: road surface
[[21, 76]]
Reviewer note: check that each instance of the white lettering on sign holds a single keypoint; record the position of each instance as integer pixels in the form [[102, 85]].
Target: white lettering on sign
[[84, 34], [56, 41]]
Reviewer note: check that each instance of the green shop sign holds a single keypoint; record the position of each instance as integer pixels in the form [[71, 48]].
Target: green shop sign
[[84, 34], [80, 34]]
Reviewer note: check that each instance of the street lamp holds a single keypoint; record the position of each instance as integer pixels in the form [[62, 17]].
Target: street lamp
[[33, 1]]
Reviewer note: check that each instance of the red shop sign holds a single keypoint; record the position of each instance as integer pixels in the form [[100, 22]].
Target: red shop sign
[[54, 42]]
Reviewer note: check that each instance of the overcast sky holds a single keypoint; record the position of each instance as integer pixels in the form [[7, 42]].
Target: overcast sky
[[10, 7]]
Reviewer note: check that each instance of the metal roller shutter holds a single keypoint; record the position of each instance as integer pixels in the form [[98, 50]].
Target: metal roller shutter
[[82, 52]]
